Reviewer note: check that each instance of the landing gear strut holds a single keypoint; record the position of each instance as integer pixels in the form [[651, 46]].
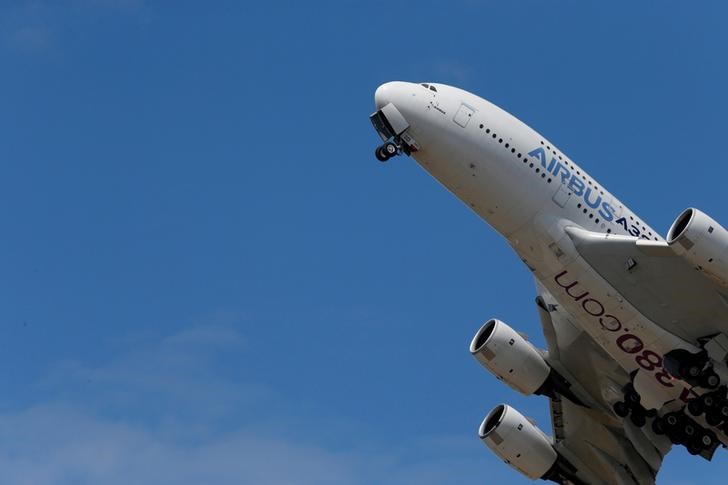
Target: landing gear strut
[[386, 151]]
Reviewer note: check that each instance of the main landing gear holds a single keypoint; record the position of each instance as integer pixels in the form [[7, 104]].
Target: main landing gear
[[682, 430], [631, 407], [678, 426], [714, 405], [695, 369], [386, 151]]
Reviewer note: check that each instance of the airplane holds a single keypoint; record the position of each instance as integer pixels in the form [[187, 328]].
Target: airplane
[[636, 325]]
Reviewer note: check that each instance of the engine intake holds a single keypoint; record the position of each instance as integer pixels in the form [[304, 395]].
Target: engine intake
[[522, 445], [509, 357], [701, 241], [518, 442]]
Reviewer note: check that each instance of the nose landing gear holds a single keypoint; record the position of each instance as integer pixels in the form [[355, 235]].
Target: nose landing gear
[[386, 151]]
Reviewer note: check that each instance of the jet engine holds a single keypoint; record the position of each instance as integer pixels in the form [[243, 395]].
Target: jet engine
[[518, 442], [703, 242], [508, 356]]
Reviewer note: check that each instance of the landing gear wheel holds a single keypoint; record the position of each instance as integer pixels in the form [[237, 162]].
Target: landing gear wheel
[[386, 151], [723, 410], [710, 380], [638, 418], [381, 156], [632, 398], [707, 440], [713, 418], [686, 365], [695, 406], [689, 430], [621, 409], [390, 149], [694, 448], [708, 400], [690, 371], [672, 420], [658, 426]]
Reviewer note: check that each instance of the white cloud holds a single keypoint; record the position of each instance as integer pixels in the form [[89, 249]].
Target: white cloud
[[163, 413], [60, 445]]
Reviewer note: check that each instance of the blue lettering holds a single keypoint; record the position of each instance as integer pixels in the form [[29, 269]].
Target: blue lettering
[[540, 154], [551, 164], [591, 204], [632, 229], [607, 212], [565, 175], [576, 185]]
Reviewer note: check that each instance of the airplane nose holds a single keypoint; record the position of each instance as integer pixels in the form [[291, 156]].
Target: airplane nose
[[383, 95], [388, 92]]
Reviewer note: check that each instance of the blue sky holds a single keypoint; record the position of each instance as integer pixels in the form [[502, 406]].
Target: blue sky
[[208, 278]]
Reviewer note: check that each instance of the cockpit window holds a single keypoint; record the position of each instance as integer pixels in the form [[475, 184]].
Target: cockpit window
[[433, 88], [425, 85]]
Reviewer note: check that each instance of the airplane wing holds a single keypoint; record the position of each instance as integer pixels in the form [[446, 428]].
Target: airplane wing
[[658, 283], [602, 448]]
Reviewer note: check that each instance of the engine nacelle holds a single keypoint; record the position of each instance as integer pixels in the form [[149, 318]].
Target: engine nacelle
[[518, 442], [508, 356], [702, 242]]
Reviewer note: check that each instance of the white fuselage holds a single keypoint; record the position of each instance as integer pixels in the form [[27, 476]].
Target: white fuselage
[[530, 192]]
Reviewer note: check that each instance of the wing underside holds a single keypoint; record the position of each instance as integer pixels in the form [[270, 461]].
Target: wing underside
[[659, 284], [603, 449]]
